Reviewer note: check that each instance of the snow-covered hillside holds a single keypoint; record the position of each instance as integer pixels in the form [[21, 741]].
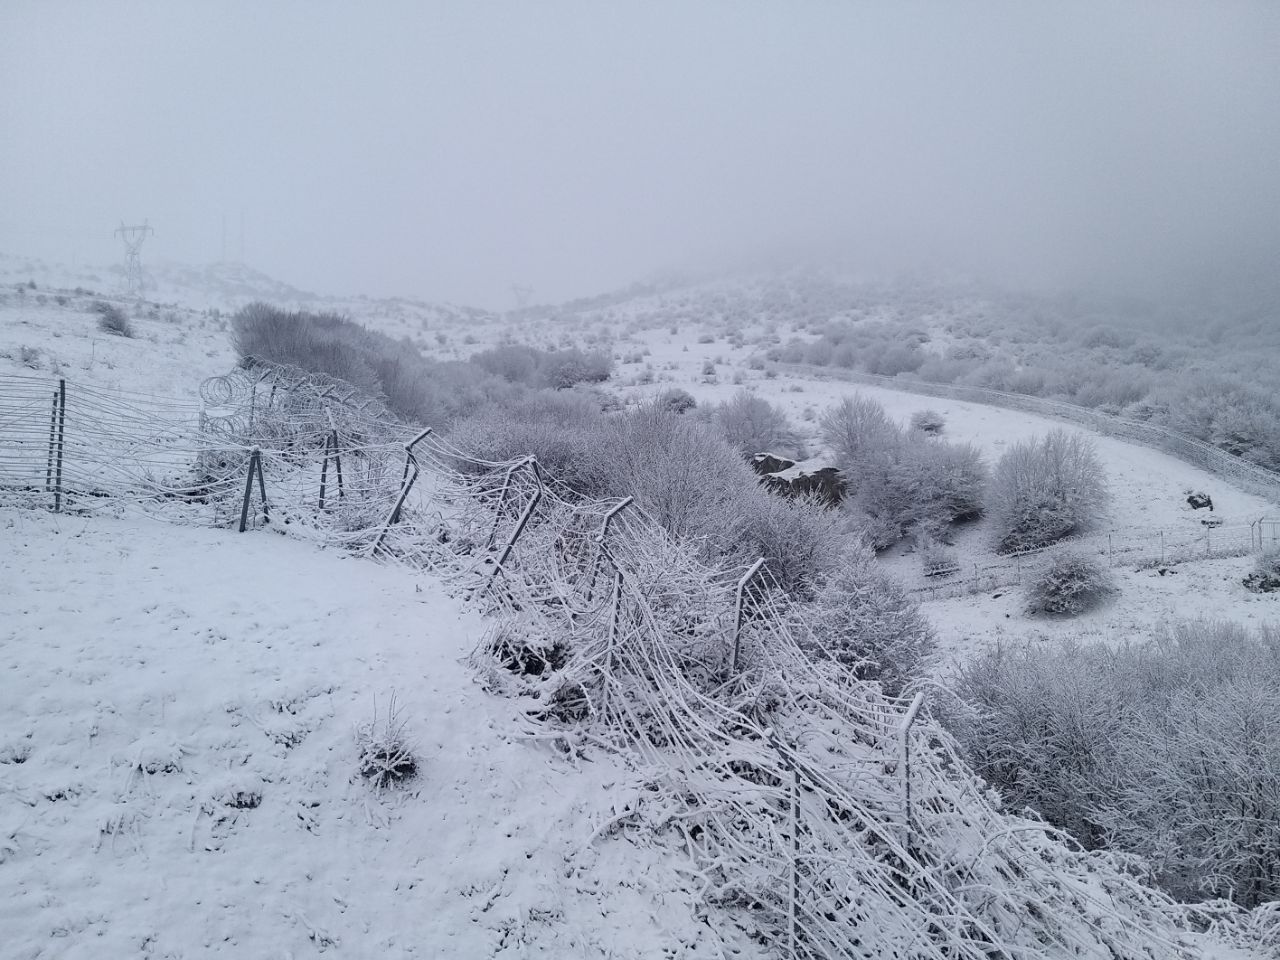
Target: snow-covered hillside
[[179, 757], [179, 774]]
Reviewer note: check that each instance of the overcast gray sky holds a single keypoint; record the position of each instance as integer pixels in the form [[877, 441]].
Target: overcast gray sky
[[450, 150]]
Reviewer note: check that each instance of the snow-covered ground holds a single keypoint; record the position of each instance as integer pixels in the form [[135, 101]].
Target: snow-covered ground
[[179, 770], [178, 763]]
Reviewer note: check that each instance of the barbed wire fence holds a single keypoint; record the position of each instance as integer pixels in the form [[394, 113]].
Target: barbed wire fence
[[828, 819]]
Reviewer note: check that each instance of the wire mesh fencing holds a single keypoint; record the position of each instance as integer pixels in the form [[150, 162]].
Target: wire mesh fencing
[[826, 818]]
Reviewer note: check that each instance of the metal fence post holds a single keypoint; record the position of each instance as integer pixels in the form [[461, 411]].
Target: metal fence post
[[793, 893], [255, 466], [600, 543], [62, 420], [406, 484], [523, 522], [737, 621], [904, 762], [53, 442]]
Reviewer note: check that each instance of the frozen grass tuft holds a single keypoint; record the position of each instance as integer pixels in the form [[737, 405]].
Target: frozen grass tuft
[[386, 756]]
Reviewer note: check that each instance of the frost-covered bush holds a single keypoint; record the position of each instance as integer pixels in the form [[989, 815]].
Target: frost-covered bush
[[1169, 749], [1265, 577], [415, 387], [562, 430], [1044, 490], [555, 369], [928, 421], [111, 319], [677, 400], [753, 425], [901, 480], [680, 471], [864, 620], [1070, 583], [800, 540]]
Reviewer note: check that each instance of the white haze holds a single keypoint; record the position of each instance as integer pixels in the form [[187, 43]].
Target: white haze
[[451, 150]]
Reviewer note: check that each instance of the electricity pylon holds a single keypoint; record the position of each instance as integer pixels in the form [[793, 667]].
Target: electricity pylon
[[132, 238], [522, 295]]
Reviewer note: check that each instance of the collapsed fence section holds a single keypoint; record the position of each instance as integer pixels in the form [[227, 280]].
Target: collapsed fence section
[[824, 817]]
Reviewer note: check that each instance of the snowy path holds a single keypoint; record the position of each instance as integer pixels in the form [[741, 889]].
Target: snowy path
[[155, 676]]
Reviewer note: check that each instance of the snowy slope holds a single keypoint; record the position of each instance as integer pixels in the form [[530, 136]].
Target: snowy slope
[[178, 768]]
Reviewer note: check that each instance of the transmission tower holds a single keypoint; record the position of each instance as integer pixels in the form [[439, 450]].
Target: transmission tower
[[132, 238], [522, 295]]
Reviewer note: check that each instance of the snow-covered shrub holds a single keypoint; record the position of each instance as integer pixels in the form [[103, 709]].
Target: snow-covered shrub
[[928, 421], [677, 400], [864, 620], [1169, 749], [900, 480], [111, 319], [859, 433], [1044, 490], [427, 391], [799, 539], [753, 425], [1265, 577], [562, 430], [533, 367], [385, 756], [1069, 584], [680, 471]]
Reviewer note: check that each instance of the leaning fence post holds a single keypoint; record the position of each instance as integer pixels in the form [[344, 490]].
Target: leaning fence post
[[502, 497], [523, 522], [62, 421], [794, 892], [600, 542], [324, 471], [406, 485], [904, 762], [255, 466], [615, 625], [737, 620]]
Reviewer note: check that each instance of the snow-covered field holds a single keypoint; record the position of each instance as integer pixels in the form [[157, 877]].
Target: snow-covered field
[[178, 707], [179, 771]]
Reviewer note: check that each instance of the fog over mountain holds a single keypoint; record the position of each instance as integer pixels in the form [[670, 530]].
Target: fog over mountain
[[452, 150]]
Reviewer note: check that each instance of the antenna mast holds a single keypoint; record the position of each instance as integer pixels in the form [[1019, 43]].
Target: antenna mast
[[132, 238]]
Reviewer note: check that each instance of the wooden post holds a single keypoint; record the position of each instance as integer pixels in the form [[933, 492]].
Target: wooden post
[[737, 625], [62, 420]]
